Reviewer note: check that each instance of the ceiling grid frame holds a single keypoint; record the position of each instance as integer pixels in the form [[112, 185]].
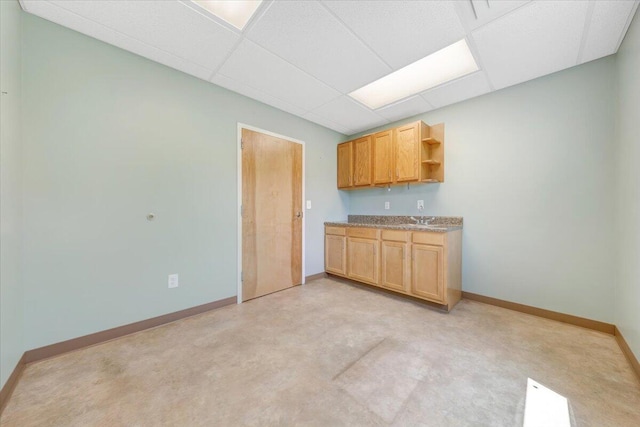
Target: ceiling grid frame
[[352, 115]]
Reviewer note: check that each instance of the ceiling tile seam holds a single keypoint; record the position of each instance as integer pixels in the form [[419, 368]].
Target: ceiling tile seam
[[503, 16], [428, 102], [256, 16], [127, 37], [626, 26], [365, 44], [472, 45], [471, 42], [336, 125], [227, 56], [219, 21], [340, 94], [304, 110], [585, 31]]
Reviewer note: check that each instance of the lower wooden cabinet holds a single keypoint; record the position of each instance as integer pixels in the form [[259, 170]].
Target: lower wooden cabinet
[[335, 254], [426, 272], [362, 259], [395, 267], [422, 264]]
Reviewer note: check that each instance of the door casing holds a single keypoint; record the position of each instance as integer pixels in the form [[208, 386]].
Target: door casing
[[239, 199]]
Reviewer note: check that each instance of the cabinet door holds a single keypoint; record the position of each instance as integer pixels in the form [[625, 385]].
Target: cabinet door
[[427, 272], [362, 259], [395, 266], [335, 254], [362, 161], [407, 153], [345, 165], [383, 157]]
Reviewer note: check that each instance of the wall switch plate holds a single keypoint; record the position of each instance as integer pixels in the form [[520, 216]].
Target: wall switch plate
[[387, 205], [173, 281], [308, 204], [420, 205]]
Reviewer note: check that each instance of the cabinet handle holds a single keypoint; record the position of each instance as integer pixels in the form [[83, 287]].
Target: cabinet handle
[[397, 174]]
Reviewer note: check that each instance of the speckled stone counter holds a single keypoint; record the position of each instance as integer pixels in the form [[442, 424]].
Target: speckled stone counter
[[439, 224]]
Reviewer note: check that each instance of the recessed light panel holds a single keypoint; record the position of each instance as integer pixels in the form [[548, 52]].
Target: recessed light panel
[[440, 67], [235, 12]]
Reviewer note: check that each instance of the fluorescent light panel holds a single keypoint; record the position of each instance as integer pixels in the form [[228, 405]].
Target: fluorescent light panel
[[235, 12], [440, 67]]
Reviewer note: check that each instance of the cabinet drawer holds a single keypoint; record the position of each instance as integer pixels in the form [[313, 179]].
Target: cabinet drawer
[[337, 231], [427, 238], [365, 233], [395, 235]]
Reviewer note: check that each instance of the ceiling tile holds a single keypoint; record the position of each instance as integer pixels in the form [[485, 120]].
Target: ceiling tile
[[401, 32], [349, 114], [312, 117], [276, 77], [470, 86], [405, 108], [168, 25], [476, 13], [256, 94], [76, 22], [608, 22], [537, 39], [307, 35]]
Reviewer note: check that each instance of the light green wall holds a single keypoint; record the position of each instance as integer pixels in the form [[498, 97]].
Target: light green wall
[[627, 295], [109, 137], [530, 168], [11, 292]]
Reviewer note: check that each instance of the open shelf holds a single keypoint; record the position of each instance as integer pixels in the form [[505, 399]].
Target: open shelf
[[431, 141]]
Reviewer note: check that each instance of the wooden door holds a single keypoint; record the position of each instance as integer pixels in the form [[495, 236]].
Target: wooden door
[[383, 157], [271, 214], [345, 165], [362, 259], [395, 266], [427, 272], [407, 153], [362, 161], [335, 254]]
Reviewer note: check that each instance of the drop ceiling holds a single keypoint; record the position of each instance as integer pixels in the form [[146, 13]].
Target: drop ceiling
[[304, 57]]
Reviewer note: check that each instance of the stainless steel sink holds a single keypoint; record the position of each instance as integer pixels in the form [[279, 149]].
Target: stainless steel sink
[[424, 225]]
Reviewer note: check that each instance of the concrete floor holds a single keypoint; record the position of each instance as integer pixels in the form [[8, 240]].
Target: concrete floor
[[332, 354]]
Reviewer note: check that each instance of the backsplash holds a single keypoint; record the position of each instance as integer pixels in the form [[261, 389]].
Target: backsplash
[[397, 219]]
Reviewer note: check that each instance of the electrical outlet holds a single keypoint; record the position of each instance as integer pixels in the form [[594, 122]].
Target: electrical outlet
[[308, 204], [173, 281], [420, 205], [387, 205]]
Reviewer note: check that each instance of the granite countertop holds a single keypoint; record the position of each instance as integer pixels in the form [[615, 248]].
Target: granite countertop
[[439, 224]]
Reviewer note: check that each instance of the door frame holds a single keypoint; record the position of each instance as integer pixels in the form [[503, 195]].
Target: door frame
[[239, 200]]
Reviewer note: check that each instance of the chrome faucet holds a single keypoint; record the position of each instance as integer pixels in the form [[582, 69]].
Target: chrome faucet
[[423, 220]]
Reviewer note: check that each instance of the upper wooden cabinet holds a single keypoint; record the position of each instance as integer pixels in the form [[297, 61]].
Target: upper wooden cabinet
[[412, 153], [383, 164], [362, 161], [345, 165], [407, 153]]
